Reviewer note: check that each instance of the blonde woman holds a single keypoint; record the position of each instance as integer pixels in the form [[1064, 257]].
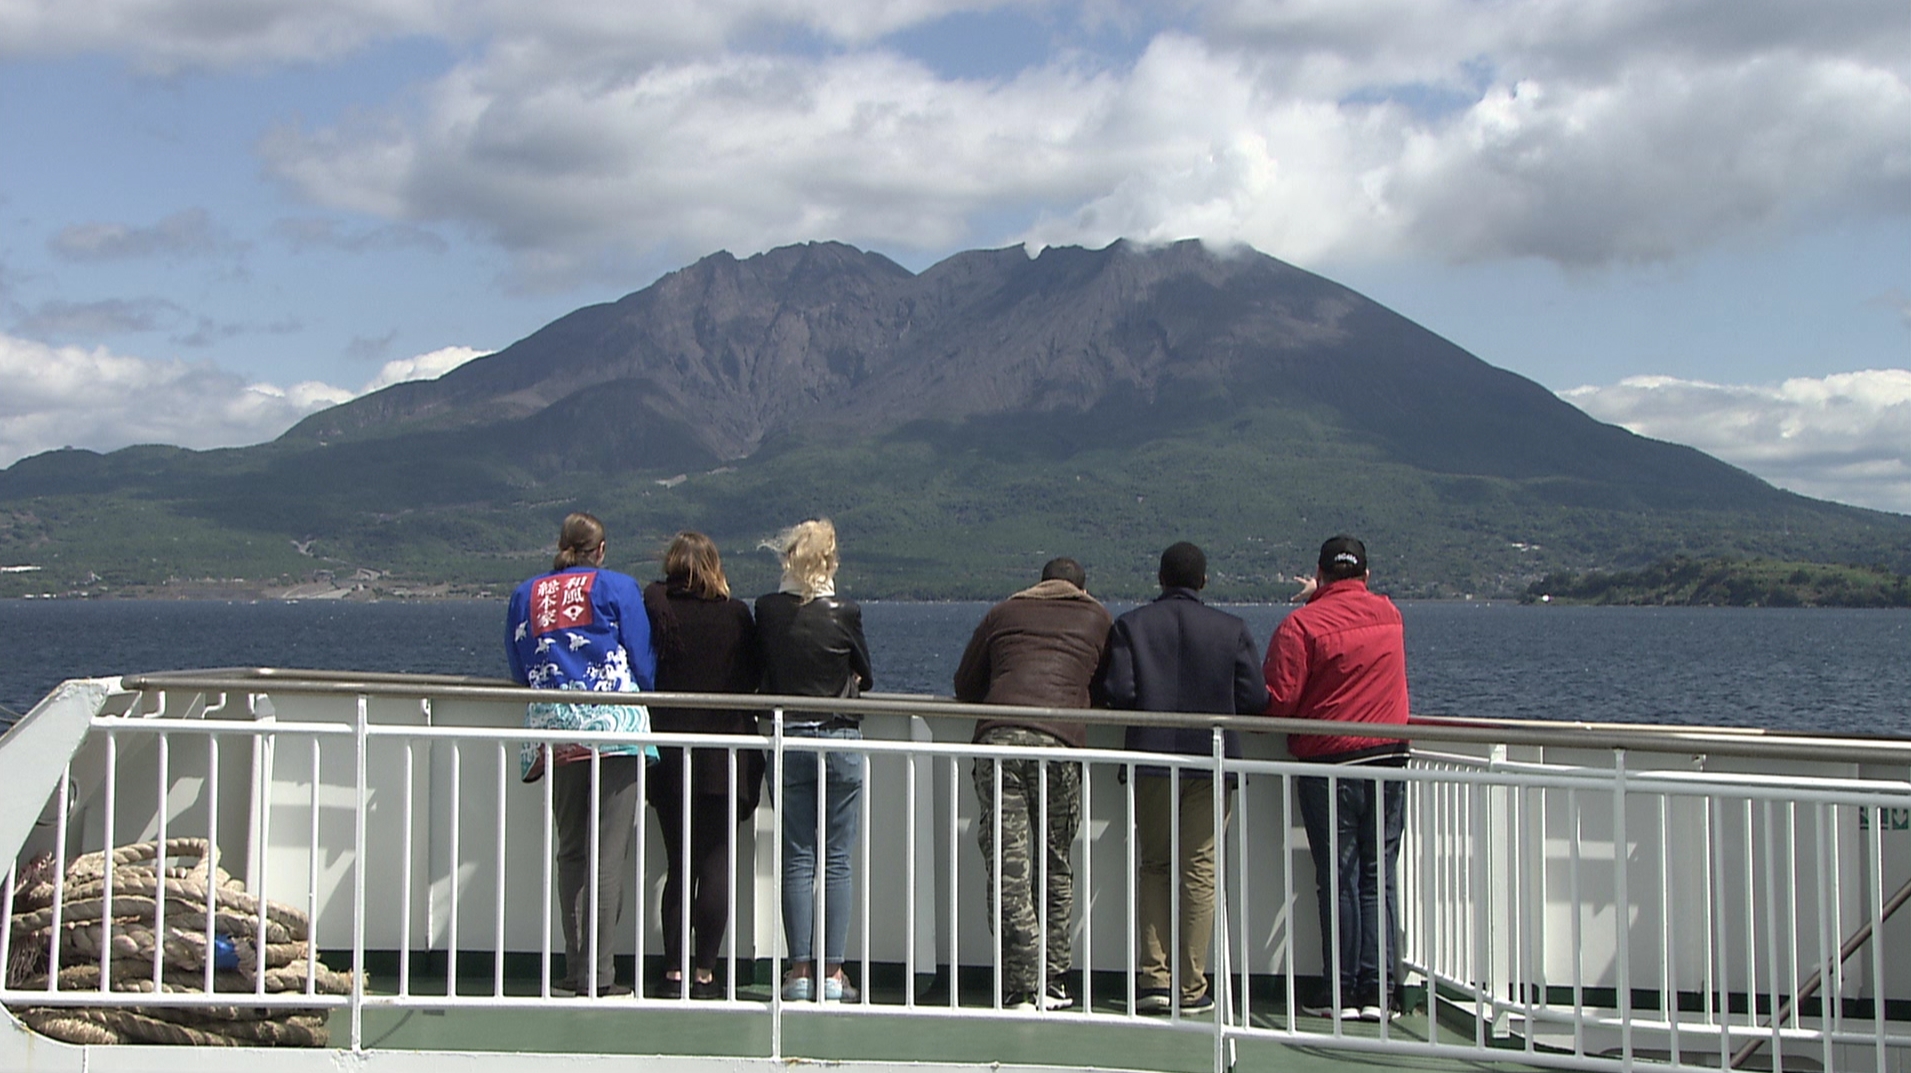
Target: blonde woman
[[812, 645], [706, 643]]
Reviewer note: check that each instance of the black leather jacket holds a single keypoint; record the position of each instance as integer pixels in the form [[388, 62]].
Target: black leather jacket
[[813, 649]]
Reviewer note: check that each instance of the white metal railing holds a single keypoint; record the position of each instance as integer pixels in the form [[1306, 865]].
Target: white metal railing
[[1643, 908], [1584, 897]]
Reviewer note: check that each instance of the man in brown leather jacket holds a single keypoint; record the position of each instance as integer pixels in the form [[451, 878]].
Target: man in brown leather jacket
[[1039, 648]]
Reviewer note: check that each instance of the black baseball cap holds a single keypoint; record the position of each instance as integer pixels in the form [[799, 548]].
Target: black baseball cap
[[1343, 556]]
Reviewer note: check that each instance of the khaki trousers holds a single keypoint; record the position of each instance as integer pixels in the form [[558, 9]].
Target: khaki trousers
[[1155, 821]]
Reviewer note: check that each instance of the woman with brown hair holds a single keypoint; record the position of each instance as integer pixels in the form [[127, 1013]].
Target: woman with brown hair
[[582, 629], [706, 643]]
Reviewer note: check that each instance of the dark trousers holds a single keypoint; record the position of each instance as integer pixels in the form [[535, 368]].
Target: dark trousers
[[1350, 821], [709, 862]]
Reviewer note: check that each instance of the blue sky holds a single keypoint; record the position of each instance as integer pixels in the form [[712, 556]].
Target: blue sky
[[1691, 217]]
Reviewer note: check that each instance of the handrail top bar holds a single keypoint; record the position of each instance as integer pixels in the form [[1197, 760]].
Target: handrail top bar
[[1566, 734]]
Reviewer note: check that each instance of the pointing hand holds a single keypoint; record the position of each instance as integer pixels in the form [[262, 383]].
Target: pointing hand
[[1308, 584]]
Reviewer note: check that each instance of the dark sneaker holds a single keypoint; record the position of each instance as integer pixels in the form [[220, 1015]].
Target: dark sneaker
[[1019, 1001], [1056, 997], [1373, 1010], [706, 990], [1321, 1004], [1153, 1000], [1201, 1003]]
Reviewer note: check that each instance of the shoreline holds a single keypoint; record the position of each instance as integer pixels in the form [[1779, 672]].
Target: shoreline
[[455, 593], [310, 591]]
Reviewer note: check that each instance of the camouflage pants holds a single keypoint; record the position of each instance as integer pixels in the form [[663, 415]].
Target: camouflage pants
[[1026, 820]]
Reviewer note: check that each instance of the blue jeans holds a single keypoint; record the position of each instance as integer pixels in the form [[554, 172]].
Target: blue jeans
[[1349, 874], [842, 800]]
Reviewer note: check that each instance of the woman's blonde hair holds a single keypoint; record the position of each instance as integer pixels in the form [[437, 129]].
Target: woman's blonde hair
[[691, 563], [808, 552], [578, 541]]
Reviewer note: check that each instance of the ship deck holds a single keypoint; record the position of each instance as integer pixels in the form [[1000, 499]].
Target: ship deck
[[884, 1033], [1577, 897]]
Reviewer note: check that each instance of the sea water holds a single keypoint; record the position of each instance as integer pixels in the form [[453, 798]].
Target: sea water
[[1790, 669]]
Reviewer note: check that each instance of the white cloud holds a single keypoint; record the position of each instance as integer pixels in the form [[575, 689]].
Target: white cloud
[[743, 152], [109, 316], [312, 232], [1845, 437], [187, 233], [172, 35], [1583, 133], [65, 396], [71, 396], [429, 366], [582, 136]]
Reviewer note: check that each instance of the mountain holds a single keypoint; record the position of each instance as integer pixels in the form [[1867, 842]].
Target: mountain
[[961, 425]]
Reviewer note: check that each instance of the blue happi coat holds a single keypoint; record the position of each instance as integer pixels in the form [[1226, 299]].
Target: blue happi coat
[[581, 628]]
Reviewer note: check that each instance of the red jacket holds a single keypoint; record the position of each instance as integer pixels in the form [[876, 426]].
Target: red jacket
[[1340, 657]]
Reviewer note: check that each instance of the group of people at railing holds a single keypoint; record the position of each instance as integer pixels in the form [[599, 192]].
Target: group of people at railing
[[1339, 657]]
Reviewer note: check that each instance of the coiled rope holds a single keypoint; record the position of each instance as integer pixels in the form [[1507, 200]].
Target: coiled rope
[[185, 875]]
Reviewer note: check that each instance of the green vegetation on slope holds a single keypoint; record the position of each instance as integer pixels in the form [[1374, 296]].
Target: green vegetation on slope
[[931, 511], [1723, 582]]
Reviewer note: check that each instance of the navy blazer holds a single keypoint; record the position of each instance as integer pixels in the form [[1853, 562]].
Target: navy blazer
[[1177, 654]]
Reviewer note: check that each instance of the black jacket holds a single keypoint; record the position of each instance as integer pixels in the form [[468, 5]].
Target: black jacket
[[703, 646], [1179, 655], [813, 649]]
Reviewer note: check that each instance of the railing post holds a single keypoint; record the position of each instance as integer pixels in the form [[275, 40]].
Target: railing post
[[259, 844], [358, 876], [1222, 968], [777, 784], [1621, 918], [106, 893], [64, 803]]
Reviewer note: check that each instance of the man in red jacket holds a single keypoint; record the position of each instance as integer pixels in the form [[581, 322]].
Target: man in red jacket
[[1341, 657]]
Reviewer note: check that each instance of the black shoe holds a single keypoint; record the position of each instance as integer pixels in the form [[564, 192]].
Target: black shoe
[[1056, 997], [1321, 1004], [706, 990], [1201, 1003], [1153, 1000], [607, 991]]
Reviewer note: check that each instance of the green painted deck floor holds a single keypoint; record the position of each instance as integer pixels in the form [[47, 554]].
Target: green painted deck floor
[[1104, 1040]]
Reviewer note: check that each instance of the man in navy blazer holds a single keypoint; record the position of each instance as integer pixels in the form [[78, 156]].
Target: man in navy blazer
[[1177, 654]]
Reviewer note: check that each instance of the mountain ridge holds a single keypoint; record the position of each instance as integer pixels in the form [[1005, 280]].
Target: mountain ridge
[[955, 421], [743, 349]]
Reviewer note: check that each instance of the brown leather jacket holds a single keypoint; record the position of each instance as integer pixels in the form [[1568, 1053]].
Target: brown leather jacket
[[1041, 648]]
